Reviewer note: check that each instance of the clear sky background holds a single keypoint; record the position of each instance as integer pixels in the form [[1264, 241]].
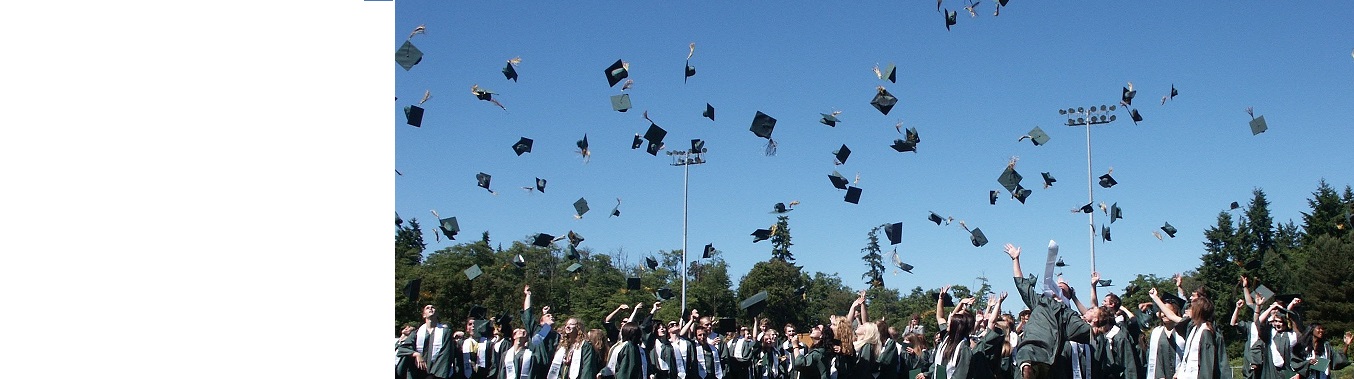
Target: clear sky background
[[971, 92]]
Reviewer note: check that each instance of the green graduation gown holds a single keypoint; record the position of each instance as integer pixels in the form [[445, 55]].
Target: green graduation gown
[[1115, 355], [631, 362], [1051, 325], [888, 360], [810, 365]]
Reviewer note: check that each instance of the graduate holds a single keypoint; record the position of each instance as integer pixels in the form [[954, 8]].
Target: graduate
[[1320, 357], [1278, 340], [1051, 324], [958, 355], [575, 357], [1205, 353], [1164, 346], [1115, 353], [709, 355], [404, 351], [740, 351], [811, 362], [628, 359], [865, 343], [888, 360], [1253, 348], [916, 357], [434, 347], [769, 361]]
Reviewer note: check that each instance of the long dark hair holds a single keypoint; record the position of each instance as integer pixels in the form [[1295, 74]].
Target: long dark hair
[[630, 333], [961, 325]]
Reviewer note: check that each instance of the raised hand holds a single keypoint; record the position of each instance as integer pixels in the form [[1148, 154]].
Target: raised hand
[[1240, 303], [1245, 282], [1012, 251], [1153, 293], [1095, 277]]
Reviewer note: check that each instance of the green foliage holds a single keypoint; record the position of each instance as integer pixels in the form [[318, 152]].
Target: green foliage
[[780, 240], [779, 279], [875, 274]]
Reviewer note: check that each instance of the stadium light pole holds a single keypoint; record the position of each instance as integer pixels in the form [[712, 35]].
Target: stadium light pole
[[686, 159], [1088, 117]]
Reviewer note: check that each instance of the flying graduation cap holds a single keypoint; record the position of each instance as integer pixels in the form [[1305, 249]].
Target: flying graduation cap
[[781, 208], [1103, 283], [992, 197], [580, 208], [449, 227], [690, 70], [1108, 181], [1258, 124], [841, 154], [883, 100], [1048, 179], [413, 115], [519, 261], [935, 218], [574, 238], [853, 194], [1127, 98], [754, 305], [398, 221], [408, 55], [894, 232], [762, 126], [899, 263], [1170, 96], [830, 119], [838, 181], [1010, 179], [411, 290], [616, 72], [540, 185], [760, 235], [616, 212], [651, 263], [890, 73], [709, 112], [709, 251], [483, 181], [1037, 136], [583, 148], [543, 240], [510, 70], [1170, 230], [620, 103], [951, 18], [473, 272], [655, 136], [1105, 233], [485, 94], [976, 235], [522, 146], [1133, 114], [1115, 212], [908, 143], [1021, 193]]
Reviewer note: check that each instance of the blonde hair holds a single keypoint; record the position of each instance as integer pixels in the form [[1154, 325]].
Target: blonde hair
[[842, 329], [869, 335]]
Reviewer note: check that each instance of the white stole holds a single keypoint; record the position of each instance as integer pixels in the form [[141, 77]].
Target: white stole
[[482, 346], [714, 353], [512, 362], [468, 348], [738, 348], [1152, 352], [1109, 339], [615, 353], [1189, 366], [679, 357], [577, 361], [658, 350], [557, 362], [1077, 368]]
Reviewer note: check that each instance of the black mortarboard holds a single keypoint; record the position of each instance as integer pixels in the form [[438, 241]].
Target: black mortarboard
[[574, 267], [1286, 298], [411, 290], [1060, 263], [616, 211], [1173, 91], [951, 18], [903, 146], [580, 207], [883, 101], [829, 119], [1170, 230], [977, 237], [901, 265], [449, 227], [948, 300], [1021, 193], [1133, 114], [616, 72], [802, 291], [841, 154], [1103, 282], [760, 235], [620, 103], [891, 73], [571, 252], [543, 240], [413, 115], [709, 251], [1048, 179], [1010, 179], [755, 304], [1264, 292], [655, 133], [1258, 125], [651, 263], [637, 142], [575, 238], [632, 283], [663, 294], [1235, 205], [690, 71], [763, 125], [1105, 232], [780, 208], [522, 146], [1127, 98], [398, 221], [1107, 181], [1088, 208], [935, 218], [838, 180], [1038, 136], [992, 197], [697, 146], [483, 180], [510, 72], [477, 312], [853, 195], [473, 272], [1115, 212], [408, 55], [653, 148], [709, 112], [519, 261], [540, 185], [1171, 298], [726, 325], [482, 329], [894, 232]]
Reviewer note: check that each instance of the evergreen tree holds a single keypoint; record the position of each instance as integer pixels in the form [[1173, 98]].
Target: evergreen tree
[[1327, 212], [780, 280], [409, 244], [875, 275], [780, 240]]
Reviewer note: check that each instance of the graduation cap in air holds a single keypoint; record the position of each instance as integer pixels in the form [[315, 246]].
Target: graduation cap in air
[[1133, 114], [709, 112], [449, 227], [1021, 193], [574, 267], [632, 283], [992, 197], [1088, 208], [709, 251], [411, 290], [838, 180], [1169, 230], [760, 235], [616, 212], [543, 240], [1048, 179], [890, 73], [1171, 96], [1108, 181], [580, 207], [829, 119], [571, 252], [853, 195], [663, 294], [841, 154], [1060, 263], [1170, 298], [951, 18], [519, 261], [883, 100], [909, 141], [483, 180], [1128, 94], [1115, 212], [616, 72], [637, 142], [897, 261], [1010, 179], [509, 71], [1103, 282], [522, 146], [583, 148], [651, 263], [894, 232], [1258, 124], [620, 103], [944, 297], [1037, 136], [655, 135], [413, 115], [1105, 232], [1235, 205], [574, 238], [781, 208], [754, 305], [935, 218], [1264, 292], [486, 95], [976, 235], [690, 70], [398, 221], [473, 272], [540, 185], [762, 126], [408, 55]]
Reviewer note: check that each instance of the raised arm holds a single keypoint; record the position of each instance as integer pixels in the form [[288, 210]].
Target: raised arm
[[1095, 279], [526, 303], [864, 312], [1237, 311], [996, 311], [1072, 294], [613, 313], [1246, 290], [940, 307], [1170, 315], [1014, 252], [1179, 287], [686, 326], [634, 311]]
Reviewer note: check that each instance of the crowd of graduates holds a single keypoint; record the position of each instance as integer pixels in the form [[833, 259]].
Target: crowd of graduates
[[1056, 335]]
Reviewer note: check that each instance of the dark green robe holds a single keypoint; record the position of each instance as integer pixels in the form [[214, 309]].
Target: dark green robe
[[770, 362], [811, 365], [1051, 325], [1165, 354], [1213, 363], [888, 360], [444, 363], [1116, 357], [864, 365], [630, 363], [404, 350], [544, 340]]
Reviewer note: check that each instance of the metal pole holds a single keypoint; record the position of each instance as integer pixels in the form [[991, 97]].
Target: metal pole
[[1090, 197], [685, 187]]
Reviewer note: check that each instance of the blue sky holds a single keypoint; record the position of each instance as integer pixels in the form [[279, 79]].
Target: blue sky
[[970, 92]]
